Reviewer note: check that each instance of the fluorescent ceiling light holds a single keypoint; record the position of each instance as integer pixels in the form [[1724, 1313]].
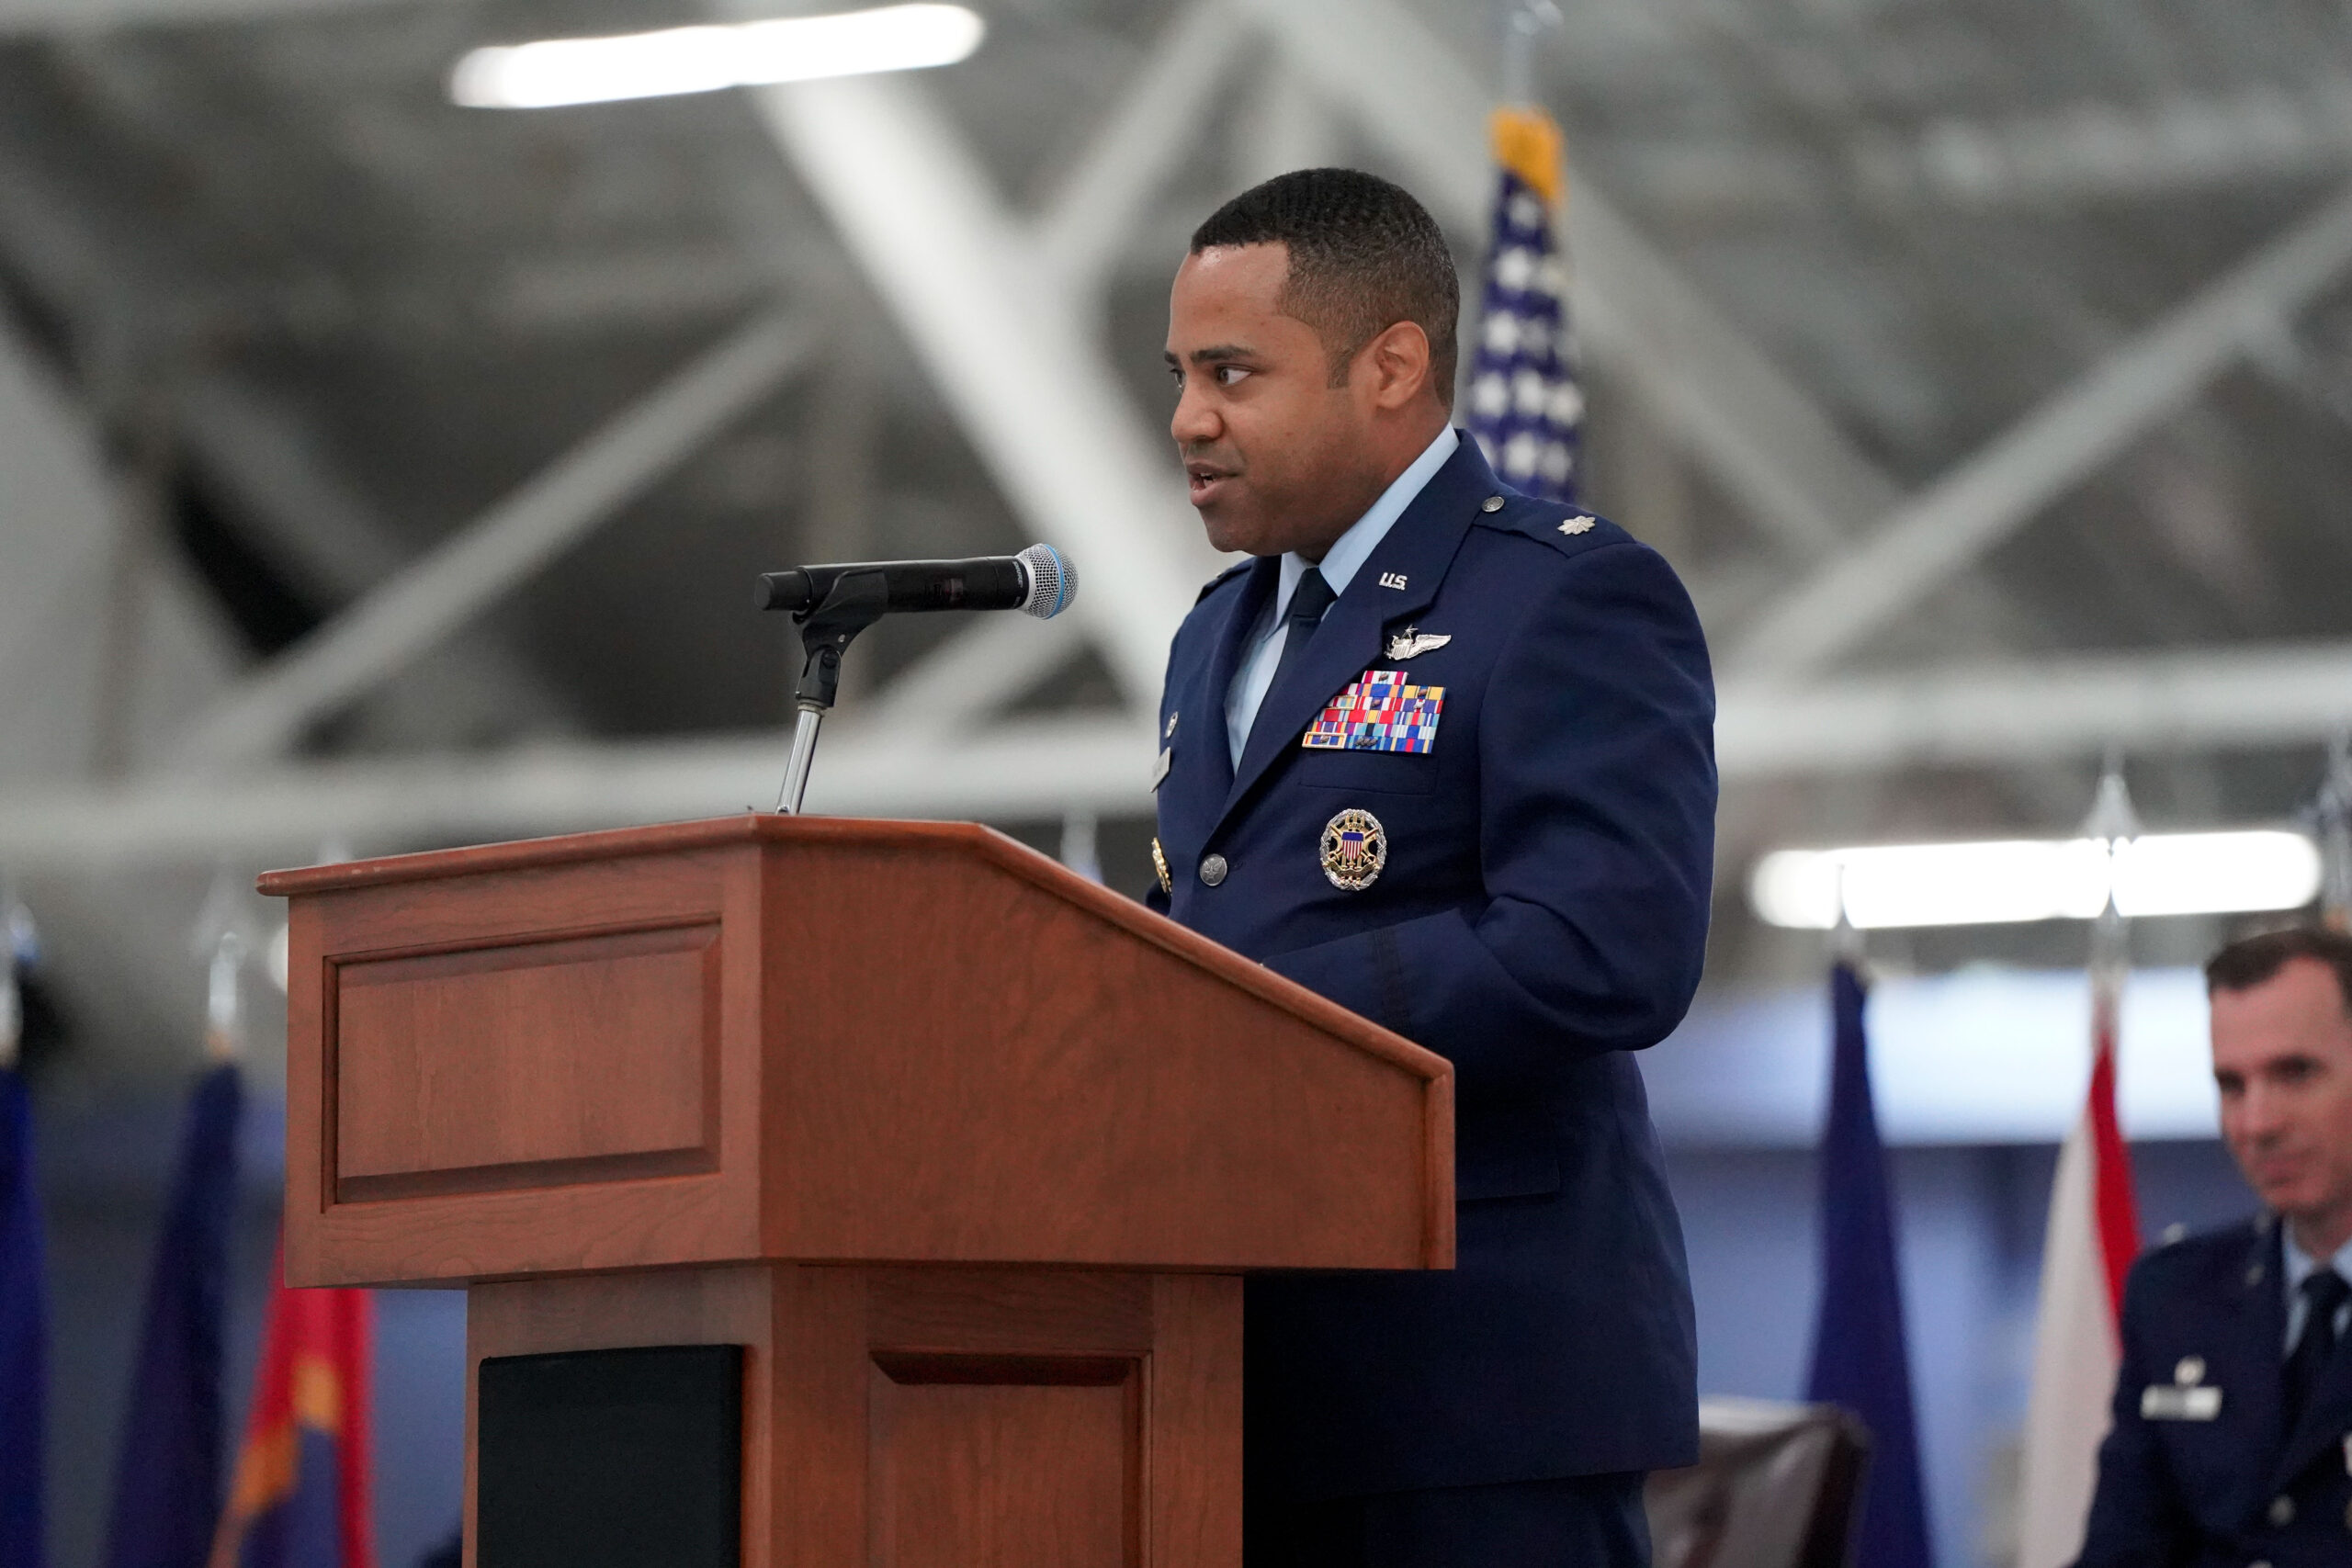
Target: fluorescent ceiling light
[[2014, 880], [705, 59]]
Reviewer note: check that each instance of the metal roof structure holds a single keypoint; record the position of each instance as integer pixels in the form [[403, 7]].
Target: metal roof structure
[[381, 471]]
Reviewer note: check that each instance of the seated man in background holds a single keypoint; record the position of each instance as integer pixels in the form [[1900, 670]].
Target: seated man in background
[[2233, 1437]]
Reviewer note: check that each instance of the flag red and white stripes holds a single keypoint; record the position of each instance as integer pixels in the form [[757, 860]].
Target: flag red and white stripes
[[2093, 1236]]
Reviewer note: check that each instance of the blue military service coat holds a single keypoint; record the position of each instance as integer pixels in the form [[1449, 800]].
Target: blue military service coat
[[2198, 1471], [1535, 909]]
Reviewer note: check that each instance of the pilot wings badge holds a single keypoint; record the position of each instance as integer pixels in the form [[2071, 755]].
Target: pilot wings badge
[[1412, 641]]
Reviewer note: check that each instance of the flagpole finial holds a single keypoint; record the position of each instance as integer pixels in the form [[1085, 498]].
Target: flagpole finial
[[1524, 22], [2112, 821], [222, 939], [2111, 814], [2331, 819], [1845, 937], [19, 944], [224, 1000]]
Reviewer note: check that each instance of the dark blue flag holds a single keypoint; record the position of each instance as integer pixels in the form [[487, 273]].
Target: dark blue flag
[[24, 1327], [168, 1489], [1860, 1359], [1526, 409]]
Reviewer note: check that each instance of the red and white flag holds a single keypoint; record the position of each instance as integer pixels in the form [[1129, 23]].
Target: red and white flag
[[2094, 1234]]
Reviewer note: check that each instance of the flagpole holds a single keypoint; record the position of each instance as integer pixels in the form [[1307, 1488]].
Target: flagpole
[[24, 1314], [224, 1001], [11, 1000], [167, 1469], [1524, 21], [2332, 814], [1861, 1360], [2087, 1247]]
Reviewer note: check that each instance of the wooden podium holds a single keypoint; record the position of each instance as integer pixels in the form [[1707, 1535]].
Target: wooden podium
[[967, 1152]]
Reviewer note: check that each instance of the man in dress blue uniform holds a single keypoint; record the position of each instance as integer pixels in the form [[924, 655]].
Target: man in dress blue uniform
[[2233, 1435], [1442, 754]]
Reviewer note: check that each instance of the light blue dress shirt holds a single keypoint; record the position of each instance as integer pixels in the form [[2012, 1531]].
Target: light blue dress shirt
[[2300, 1266], [1338, 565]]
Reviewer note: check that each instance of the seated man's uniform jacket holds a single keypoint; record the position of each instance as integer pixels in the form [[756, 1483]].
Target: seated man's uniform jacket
[[1541, 914], [2195, 1481]]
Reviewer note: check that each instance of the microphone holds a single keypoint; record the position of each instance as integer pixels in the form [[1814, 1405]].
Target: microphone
[[1038, 582]]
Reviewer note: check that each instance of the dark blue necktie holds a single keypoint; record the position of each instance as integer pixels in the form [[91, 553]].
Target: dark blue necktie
[[1307, 603], [2324, 1292]]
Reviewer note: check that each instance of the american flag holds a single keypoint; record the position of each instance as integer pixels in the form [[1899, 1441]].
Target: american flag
[[1525, 407]]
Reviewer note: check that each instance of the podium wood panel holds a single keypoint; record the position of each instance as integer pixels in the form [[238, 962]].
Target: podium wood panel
[[550, 1061], [965, 1418], [794, 1038], [966, 1151]]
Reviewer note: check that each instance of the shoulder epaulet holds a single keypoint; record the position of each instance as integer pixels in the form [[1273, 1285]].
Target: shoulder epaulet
[[1220, 579], [2226, 1241], [1565, 528]]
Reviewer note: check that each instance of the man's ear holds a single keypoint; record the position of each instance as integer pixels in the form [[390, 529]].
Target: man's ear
[[1399, 361]]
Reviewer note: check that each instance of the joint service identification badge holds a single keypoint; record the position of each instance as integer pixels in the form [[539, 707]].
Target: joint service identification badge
[[1355, 848]]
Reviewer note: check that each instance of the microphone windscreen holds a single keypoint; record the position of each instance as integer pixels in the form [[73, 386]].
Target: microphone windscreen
[[1053, 581]]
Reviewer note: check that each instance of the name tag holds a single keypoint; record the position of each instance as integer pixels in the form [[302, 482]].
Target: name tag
[[1159, 769], [2171, 1402]]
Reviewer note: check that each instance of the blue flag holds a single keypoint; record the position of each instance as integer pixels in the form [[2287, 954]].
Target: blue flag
[[1526, 409], [24, 1327], [1860, 1351], [167, 1487]]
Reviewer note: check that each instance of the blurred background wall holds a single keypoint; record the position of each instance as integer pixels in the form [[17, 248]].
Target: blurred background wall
[[378, 473]]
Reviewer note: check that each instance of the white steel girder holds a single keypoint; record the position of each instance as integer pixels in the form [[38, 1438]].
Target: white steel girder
[[1087, 223], [488, 558], [96, 16], [1971, 510], [1947, 717], [1753, 429], [1029, 384]]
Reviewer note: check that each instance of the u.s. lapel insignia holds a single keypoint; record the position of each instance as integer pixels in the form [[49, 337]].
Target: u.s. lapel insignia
[[1169, 733], [1159, 865], [1412, 642], [1355, 848], [1580, 524], [2180, 1402]]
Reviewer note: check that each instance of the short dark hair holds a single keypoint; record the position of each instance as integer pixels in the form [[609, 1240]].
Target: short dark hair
[[2250, 961], [1364, 256]]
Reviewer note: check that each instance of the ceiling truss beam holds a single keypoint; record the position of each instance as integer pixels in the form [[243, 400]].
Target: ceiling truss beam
[[1954, 522], [1975, 715], [489, 557], [1030, 385]]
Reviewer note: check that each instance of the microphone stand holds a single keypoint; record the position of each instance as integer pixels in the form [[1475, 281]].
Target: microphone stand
[[855, 602]]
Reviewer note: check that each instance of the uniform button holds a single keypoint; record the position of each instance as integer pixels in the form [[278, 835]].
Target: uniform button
[[1492, 503], [2282, 1511], [2259, 1562], [1212, 870]]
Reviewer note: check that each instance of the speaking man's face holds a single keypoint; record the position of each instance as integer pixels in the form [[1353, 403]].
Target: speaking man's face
[[1276, 457], [2283, 1058]]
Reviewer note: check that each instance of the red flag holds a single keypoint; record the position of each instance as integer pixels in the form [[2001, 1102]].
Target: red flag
[[300, 1499], [2094, 1234]]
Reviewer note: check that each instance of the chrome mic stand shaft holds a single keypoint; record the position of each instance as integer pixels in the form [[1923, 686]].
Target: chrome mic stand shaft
[[804, 752], [855, 602]]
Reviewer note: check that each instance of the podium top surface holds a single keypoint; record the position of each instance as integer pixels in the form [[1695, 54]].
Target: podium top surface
[[821, 1039]]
